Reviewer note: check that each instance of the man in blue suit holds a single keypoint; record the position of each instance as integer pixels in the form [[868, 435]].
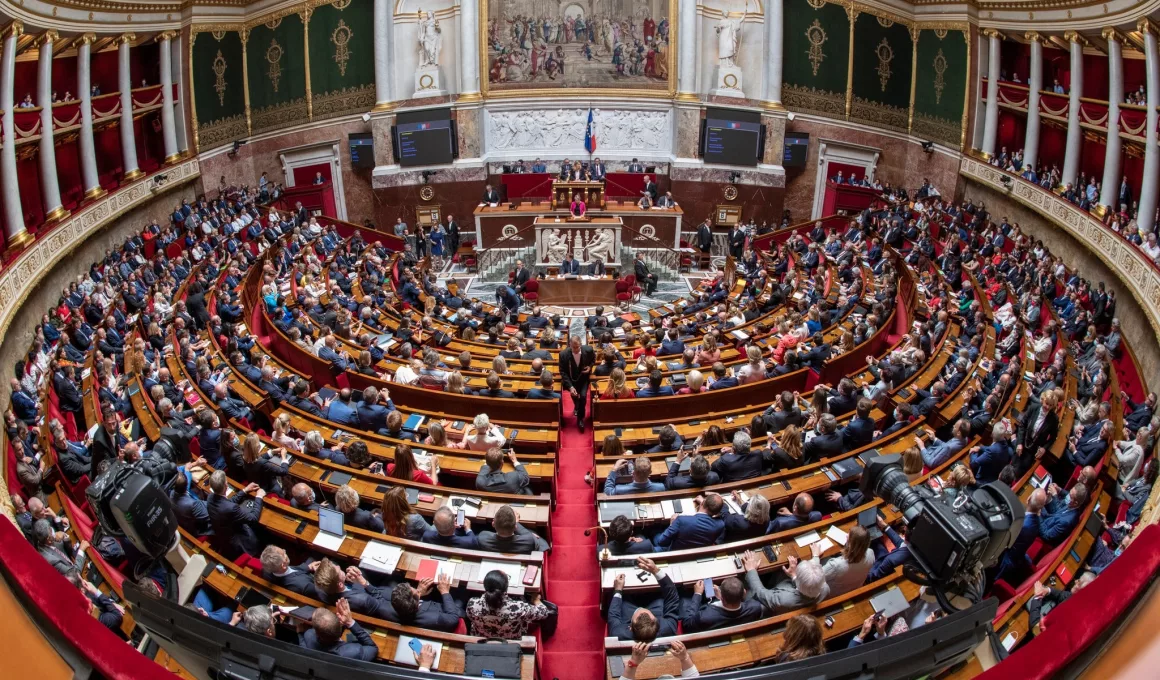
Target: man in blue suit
[[721, 378], [641, 470], [694, 531], [24, 406], [1013, 564], [371, 413], [803, 513], [886, 562], [860, 430], [544, 390], [657, 618], [329, 352], [190, 510], [445, 532], [327, 633], [570, 265], [731, 609], [1062, 513], [988, 461], [342, 411], [672, 343], [655, 388], [233, 519]]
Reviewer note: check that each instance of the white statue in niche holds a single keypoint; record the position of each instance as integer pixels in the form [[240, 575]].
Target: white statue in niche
[[728, 39], [430, 39]]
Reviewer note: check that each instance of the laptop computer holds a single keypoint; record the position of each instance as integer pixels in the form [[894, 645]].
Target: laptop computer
[[330, 522]]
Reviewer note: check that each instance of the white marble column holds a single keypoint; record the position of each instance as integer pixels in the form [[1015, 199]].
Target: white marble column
[[14, 232], [991, 121], [384, 61], [178, 60], [1148, 187], [774, 48], [168, 133], [49, 185], [469, 46], [88, 149], [1110, 185], [125, 84], [1074, 131], [687, 51], [1034, 86]]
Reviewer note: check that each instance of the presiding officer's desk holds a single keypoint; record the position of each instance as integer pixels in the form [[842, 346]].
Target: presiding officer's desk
[[492, 221], [577, 290]]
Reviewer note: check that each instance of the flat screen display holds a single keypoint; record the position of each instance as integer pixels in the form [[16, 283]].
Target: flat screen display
[[797, 147], [731, 137], [425, 138], [362, 150]]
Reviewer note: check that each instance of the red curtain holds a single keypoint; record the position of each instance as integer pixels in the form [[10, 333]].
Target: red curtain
[[64, 77], [108, 148], [1133, 75], [103, 71], [1095, 76], [1052, 145], [1091, 158], [1012, 127], [305, 174], [68, 173], [1133, 169], [28, 175], [145, 64], [24, 81], [150, 144]]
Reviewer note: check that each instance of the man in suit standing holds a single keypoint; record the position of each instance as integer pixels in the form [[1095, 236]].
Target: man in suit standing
[[731, 609], [736, 242], [643, 276], [576, 365], [520, 279], [596, 170], [694, 531], [658, 618], [635, 166], [490, 195], [705, 237], [570, 265], [650, 188], [452, 235]]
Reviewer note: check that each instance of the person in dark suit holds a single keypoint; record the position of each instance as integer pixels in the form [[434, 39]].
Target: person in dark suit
[[705, 237], [106, 441], [818, 353], [700, 475], [408, 607], [445, 532], [1062, 513], [327, 633], [988, 461], [65, 385], [736, 242], [233, 519], [521, 276], [597, 170], [803, 513], [826, 443], [570, 265], [1013, 564], [650, 188], [635, 166], [694, 531], [490, 195], [657, 618], [860, 430], [621, 540], [509, 536], [346, 501], [596, 268], [732, 609], [782, 414], [372, 414], [741, 462], [276, 568], [544, 388], [1037, 430], [751, 522], [493, 479], [643, 276], [192, 514], [672, 343], [576, 364]]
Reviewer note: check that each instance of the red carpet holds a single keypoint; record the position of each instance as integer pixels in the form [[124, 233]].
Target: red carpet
[[573, 578]]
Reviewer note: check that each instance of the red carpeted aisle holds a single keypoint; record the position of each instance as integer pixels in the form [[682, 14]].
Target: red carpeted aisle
[[573, 578]]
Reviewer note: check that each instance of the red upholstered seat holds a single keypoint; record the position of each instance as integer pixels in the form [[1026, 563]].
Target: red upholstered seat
[[623, 292], [342, 381], [532, 290]]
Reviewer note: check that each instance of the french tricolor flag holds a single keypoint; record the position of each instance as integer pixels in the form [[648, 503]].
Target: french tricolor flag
[[590, 135]]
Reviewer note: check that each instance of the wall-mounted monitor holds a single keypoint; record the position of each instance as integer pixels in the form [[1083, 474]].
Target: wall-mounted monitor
[[797, 148], [362, 149], [424, 138], [732, 137]]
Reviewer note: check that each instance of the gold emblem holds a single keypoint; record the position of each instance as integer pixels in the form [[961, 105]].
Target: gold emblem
[[274, 58], [817, 37], [427, 193], [218, 35], [940, 67], [885, 56], [219, 70], [817, 4], [941, 33], [341, 4], [730, 193], [884, 22], [341, 39]]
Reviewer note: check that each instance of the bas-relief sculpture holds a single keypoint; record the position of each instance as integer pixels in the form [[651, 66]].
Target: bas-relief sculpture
[[533, 44], [586, 243], [563, 130]]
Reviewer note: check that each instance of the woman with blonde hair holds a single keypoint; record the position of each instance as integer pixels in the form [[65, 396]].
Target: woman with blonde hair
[[263, 469], [754, 369], [617, 389], [456, 384], [436, 435], [281, 436], [787, 452], [499, 365], [912, 463], [694, 383], [708, 353]]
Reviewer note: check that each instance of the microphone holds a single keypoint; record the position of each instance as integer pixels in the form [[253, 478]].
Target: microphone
[[605, 554]]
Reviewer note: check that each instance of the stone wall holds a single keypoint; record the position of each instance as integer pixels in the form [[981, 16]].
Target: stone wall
[[1138, 329], [73, 256], [901, 162]]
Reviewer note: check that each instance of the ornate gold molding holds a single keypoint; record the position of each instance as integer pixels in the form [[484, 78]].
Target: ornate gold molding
[[1077, 38], [992, 33], [165, 35], [125, 39], [1146, 25], [14, 29]]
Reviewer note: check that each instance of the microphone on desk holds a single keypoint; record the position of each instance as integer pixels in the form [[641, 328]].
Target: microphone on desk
[[605, 554]]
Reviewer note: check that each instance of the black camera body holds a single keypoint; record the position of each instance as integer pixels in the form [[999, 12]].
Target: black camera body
[[950, 537]]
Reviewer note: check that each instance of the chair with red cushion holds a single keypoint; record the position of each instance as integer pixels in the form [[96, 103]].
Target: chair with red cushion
[[532, 290], [632, 287], [686, 259], [623, 292]]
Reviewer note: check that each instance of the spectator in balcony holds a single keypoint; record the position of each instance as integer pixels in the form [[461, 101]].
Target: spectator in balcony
[[1056, 87], [26, 103]]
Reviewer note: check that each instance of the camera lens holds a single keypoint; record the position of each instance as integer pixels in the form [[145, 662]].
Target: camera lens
[[884, 478]]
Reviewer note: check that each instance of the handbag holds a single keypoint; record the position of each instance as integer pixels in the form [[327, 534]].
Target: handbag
[[492, 658]]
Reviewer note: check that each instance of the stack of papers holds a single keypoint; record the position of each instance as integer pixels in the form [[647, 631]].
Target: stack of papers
[[807, 539], [380, 557], [330, 542], [837, 535], [513, 570]]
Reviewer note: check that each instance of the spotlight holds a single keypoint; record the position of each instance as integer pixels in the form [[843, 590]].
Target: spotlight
[[928, 147], [734, 177], [428, 174], [366, 117]]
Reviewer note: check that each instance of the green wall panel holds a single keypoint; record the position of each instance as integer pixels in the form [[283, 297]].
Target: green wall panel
[[218, 88], [276, 54], [342, 64], [940, 85], [817, 57], [883, 52]]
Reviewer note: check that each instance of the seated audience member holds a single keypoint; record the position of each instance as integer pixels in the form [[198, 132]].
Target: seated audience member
[[701, 529], [753, 521], [700, 474], [545, 388], [848, 571], [826, 443], [234, 519], [346, 501], [492, 478], [277, 570], [399, 519], [410, 609], [447, 534], [327, 633], [509, 536], [726, 606], [1061, 514], [641, 469], [654, 387], [55, 547], [482, 435], [988, 461], [496, 615], [668, 440], [332, 583], [656, 618], [803, 513], [621, 540], [803, 584], [938, 451], [741, 462], [802, 639], [1013, 563]]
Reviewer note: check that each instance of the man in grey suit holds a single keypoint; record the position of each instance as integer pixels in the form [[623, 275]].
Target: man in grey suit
[[54, 546], [492, 478], [806, 585], [510, 536]]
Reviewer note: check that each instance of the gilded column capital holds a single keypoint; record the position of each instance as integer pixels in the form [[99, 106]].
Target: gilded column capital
[[166, 36], [14, 29], [993, 33], [1077, 38], [1111, 33], [87, 38], [1146, 25], [125, 39]]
